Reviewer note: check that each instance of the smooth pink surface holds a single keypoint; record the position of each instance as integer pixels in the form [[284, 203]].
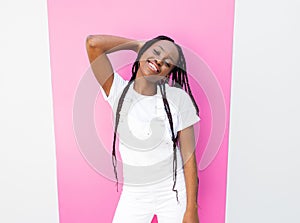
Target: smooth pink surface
[[206, 27]]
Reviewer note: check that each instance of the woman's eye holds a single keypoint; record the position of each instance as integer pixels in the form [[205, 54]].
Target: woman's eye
[[156, 52], [168, 64]]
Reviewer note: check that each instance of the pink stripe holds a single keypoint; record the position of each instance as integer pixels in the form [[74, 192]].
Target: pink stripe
[[206, 27]]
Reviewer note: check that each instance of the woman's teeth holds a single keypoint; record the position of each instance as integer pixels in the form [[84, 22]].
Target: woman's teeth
[[152, 66]]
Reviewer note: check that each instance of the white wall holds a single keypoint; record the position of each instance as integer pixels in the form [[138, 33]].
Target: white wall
[[264, 148], [28, 188]]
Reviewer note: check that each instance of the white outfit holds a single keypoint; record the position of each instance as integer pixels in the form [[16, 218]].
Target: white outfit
[[146, 149]]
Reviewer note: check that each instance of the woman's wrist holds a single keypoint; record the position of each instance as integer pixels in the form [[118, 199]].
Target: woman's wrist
[[110, 43], [126, 44], [139, 45], [192, 206]]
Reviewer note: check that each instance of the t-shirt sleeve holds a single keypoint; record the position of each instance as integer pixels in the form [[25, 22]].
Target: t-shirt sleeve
[[116, 89], [187, 113]]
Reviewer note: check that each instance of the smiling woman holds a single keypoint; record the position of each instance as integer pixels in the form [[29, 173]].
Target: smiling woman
[[154, 167]]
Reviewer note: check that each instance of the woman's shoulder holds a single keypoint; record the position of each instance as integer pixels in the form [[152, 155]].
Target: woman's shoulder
[[177, 97], [176, 92]]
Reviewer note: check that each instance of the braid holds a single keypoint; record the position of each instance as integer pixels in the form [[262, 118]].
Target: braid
[[181, 78], [114, 159], [120, 104], [168, 111]]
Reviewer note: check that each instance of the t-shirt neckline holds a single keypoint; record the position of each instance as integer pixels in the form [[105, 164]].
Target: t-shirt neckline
[[145, 96]]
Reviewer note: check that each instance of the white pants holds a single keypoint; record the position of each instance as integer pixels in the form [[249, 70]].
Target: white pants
[[138, 204]]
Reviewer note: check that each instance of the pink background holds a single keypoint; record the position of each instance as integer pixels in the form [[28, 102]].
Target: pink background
[[205, 27]]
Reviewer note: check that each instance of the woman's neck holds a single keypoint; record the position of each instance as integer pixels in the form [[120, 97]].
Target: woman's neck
[[144, 87]]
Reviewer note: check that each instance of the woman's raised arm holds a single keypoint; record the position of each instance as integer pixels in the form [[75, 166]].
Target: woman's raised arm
[[98, 46]]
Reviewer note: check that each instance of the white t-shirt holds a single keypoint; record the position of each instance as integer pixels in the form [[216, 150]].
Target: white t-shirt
[[146, 146]]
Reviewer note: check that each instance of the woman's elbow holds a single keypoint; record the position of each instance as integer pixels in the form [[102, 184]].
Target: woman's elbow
[[93, 41]]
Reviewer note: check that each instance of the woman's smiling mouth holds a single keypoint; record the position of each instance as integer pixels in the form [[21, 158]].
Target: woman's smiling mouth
[[153, 66]]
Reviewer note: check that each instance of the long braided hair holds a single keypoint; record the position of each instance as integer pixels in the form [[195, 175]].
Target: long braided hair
[[179, 79]]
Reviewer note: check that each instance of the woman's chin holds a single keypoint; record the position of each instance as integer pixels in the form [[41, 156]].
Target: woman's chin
[[153, 78]]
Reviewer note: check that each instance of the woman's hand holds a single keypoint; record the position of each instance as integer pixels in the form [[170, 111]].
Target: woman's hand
[[191, 216]]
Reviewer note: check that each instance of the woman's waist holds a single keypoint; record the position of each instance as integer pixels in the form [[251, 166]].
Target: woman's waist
[[148, 156], [150, 183]]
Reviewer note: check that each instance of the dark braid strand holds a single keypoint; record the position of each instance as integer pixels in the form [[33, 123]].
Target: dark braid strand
[[174, 139]]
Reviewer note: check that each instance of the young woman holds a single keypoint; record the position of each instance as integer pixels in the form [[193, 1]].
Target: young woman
[[152, 116]]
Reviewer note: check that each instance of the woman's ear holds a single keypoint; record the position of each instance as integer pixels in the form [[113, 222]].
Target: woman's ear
[[167, 78]]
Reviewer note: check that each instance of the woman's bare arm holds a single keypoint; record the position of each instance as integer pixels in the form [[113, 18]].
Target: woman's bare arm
[[98, 46], [187, 147]]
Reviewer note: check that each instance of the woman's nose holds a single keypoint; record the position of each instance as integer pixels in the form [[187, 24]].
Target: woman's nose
[[158, 61]]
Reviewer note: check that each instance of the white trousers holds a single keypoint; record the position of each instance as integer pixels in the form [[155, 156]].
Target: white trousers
[[138, 204]]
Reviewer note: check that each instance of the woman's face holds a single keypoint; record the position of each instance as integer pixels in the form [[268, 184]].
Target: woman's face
[[158, 60]]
